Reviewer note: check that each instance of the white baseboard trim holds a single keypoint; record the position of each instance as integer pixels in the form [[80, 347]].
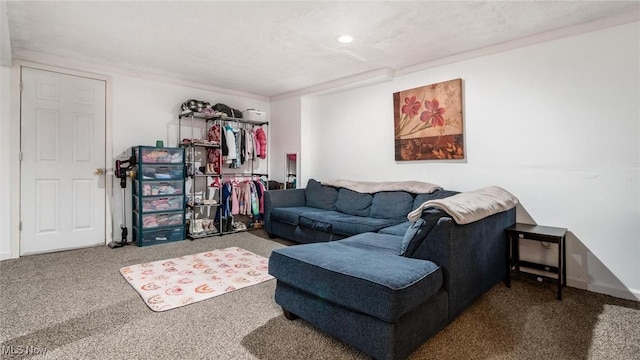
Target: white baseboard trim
[[629, 294], [578, 284], [607, 289], [5, 255]]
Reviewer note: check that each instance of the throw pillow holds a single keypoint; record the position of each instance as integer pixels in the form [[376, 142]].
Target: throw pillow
[[320, 196], [418, 231]]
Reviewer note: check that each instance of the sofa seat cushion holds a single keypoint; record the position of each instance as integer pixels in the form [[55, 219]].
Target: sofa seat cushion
[[343, 224], [291, 215], [359, 277], [319, 223], [384, 243], [398, 230]]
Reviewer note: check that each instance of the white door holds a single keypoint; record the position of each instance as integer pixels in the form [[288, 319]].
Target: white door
[[62, 200]]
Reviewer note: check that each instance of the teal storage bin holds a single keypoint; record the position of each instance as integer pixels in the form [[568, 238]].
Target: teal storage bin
[[158, 195]]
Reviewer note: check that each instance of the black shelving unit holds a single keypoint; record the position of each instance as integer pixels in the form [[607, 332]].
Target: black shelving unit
[[202, 173]]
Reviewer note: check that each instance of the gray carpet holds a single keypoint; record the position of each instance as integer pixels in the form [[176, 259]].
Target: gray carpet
[[76, 305]]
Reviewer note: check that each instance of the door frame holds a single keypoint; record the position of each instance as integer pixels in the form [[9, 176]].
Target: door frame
[[16, 126]]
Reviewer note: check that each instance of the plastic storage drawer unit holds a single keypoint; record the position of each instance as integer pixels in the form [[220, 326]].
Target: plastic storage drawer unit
[[152, 188], [162, 219], [163, 172], [158, 200], [161, 155], [160, 236], [160, 203]]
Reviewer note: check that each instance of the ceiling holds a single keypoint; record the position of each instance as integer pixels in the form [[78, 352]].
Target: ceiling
[[270, 48]]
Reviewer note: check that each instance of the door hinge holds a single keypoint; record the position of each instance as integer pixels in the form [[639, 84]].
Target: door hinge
[[21, 86], [20, 226], [20, 156]]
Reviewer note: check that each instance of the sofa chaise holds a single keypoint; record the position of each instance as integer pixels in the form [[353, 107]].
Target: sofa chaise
[[392, 286]]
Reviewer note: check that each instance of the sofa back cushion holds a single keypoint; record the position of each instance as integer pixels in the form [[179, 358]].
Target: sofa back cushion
[[320, 196], [353, 203], [391, 205], [438, 194]]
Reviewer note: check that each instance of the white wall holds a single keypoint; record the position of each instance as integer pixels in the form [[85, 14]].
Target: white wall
[[285, 130], [142, 111], [557, 124], [145, 111]]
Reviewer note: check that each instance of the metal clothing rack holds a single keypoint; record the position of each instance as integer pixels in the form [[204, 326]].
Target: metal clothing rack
[[193, 154]]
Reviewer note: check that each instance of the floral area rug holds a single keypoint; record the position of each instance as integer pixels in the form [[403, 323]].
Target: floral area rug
[[171, 283]]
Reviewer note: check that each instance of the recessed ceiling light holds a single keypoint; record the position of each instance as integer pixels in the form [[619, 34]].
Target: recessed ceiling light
[[345, 39]]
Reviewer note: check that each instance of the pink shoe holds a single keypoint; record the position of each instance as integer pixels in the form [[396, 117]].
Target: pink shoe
[[216, 183]]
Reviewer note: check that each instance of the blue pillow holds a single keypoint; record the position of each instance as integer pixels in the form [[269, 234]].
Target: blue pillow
[[320, 196], [411, 238], [418, 231]]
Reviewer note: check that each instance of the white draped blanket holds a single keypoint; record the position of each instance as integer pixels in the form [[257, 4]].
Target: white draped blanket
[[416, 187], [467, 207]]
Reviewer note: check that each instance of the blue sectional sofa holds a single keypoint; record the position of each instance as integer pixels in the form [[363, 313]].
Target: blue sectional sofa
[[373, 279], [320, 213]]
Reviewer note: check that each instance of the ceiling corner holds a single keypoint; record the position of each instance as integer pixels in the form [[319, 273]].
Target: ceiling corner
[[345, 83], [5, 40]]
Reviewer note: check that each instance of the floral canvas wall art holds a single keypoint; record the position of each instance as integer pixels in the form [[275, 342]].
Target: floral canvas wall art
[[428, 122]]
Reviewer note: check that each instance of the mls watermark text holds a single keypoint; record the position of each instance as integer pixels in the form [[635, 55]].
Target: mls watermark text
[[23, 350]]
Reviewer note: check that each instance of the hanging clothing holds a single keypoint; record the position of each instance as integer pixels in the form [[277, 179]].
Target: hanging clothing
[[214, 154], [261, 137], [256, 143], [214, 134], [235, 163], [223, 143], [260, 189], [224, 211], [247, 198], [243, 146], [231, 144], [235, 206], [249, 144], [242, 201], [255, 202]]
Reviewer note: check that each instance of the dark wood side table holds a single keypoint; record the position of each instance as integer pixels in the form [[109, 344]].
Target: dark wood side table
[[543, 234]]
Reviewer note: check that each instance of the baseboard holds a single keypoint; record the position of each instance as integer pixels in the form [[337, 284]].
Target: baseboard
[[607, 289], [578, 284], [5, 255], [629, 294]]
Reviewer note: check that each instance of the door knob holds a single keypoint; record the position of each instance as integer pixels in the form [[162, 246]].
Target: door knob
[[99, 171]]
